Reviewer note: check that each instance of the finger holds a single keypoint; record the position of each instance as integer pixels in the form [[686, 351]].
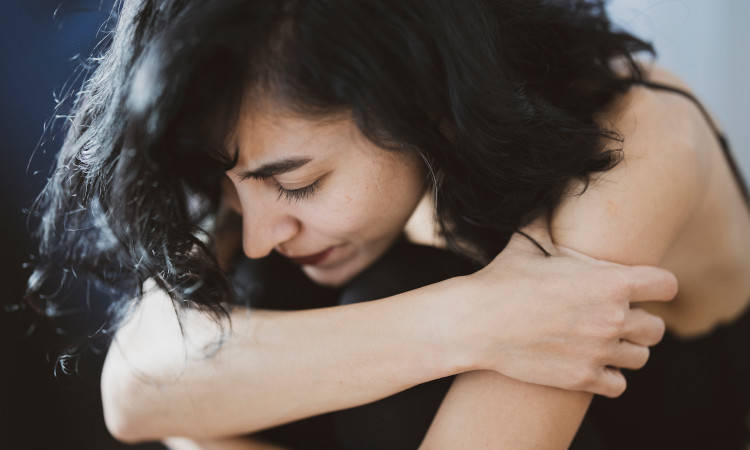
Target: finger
[[651, 284], [613, 383], [646, 283], [642, 328], [629, 356]]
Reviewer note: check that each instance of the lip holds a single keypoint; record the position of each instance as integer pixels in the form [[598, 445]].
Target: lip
[[311, 260]]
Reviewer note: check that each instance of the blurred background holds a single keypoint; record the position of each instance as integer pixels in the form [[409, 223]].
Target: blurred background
[[707, 43], [43, 42]]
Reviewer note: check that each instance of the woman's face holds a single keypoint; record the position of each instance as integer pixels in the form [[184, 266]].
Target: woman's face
[[319, 193]]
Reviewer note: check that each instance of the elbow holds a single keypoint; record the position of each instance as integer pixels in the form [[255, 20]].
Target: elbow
[[139, 361], [125, 419], [122, 428]]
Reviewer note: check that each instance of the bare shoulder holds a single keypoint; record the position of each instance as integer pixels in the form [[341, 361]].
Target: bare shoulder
[[632, 213], [656, 123]]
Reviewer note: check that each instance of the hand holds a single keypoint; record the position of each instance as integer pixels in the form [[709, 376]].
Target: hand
[[564, 321]]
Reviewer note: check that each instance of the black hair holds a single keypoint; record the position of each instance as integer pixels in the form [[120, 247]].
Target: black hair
[[501, 97]]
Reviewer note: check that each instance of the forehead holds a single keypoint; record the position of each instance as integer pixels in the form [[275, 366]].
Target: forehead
[[268, 131]]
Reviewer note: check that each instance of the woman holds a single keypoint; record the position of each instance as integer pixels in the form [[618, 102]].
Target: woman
[[330, 120]]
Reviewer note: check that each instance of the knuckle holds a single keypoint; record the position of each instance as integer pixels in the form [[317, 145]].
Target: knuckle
[[612, 323], [618, 318], [618, 286]]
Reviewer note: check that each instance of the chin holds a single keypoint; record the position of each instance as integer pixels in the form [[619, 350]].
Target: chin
[[342, 272], [337, 275], [329, 278]]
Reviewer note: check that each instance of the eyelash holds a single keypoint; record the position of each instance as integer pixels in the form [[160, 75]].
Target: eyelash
[[295, 195]]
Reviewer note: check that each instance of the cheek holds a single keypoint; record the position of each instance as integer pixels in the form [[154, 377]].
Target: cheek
[[344, 216], [377, 210], [372, 201]]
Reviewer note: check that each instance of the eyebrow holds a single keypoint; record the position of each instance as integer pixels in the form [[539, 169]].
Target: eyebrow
[[273, 168]]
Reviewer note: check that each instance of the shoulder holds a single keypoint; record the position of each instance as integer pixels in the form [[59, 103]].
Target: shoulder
[[632, 213], [656, 123]]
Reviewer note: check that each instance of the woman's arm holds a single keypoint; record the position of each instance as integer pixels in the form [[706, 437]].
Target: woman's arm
[[522, 315], [631, 214], [232, 443], [485, 409]]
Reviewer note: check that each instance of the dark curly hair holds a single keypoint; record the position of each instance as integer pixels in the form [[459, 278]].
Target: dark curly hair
[[501, 98]]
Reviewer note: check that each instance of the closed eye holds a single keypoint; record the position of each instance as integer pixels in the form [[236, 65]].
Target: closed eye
[[295, 195]]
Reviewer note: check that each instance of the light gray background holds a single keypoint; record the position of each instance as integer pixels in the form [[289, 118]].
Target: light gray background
[[707, 43]]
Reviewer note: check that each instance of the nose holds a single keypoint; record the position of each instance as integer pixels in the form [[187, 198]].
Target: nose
[[263, 228]]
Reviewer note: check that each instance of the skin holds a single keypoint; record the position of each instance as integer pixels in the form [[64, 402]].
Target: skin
[[349, 196], [338, 354], [672, 202], [335, 358]]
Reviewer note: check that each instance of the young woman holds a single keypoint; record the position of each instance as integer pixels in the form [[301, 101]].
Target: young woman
[[326, 123]]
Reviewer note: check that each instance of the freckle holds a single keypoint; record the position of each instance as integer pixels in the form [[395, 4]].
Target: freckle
[[612, 207], [348, 198]]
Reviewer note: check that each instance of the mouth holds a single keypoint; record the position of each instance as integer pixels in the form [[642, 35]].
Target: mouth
[[311, 260]]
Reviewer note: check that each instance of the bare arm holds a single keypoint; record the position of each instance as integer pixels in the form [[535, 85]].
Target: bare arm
[[279, 367], [486, 409], [632, 215], [232, 443], [275, 367]]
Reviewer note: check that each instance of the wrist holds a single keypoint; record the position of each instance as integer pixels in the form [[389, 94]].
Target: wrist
[[454, 320]]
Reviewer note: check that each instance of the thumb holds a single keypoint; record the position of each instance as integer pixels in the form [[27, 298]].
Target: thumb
[[647, 283]]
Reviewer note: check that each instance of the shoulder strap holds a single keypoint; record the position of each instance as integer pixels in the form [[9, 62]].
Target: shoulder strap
[[719, 135]]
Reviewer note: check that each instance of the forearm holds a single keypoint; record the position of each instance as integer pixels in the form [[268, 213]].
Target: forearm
[[485, 409], [520, 316], [274, 367]]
